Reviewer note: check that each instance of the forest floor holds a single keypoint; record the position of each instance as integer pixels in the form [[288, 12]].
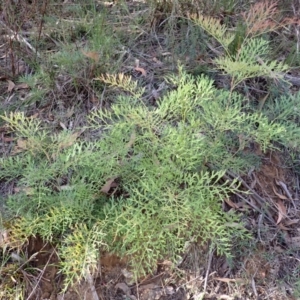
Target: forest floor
[[146, 42]]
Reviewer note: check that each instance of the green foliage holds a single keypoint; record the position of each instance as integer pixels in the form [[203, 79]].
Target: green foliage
[[284, 110], [246, 54], [216, 29], [251, 61], [80, 252], [65, 63], [152, 181], [10, 273], [296, 290]]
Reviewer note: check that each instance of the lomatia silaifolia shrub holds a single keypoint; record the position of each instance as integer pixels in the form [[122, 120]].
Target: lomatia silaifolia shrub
[[151, 181], [246, 49]]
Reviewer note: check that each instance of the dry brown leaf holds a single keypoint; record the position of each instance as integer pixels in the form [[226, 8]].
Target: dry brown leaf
[[108, 3], [34, 116], [231, 204], [281, 211], [17, 150], [227, 280], [108, 185], [22, 86], [26, 190], [291, 222], [70, 112], [225, 297], [63, 126], [11, 85], [92, 55], [7, 139], [167, 263], [158, 62], [22, 144], [4, 239], [69, 140], [94, 99], [66, 187], [282, 227], [129, 277], [123, 287], [131, 141], [253, 183], [279, 195], [284, 187], [139, 69]]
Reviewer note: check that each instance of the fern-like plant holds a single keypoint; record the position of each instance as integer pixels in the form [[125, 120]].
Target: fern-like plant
[[152, 181], [246, 50]]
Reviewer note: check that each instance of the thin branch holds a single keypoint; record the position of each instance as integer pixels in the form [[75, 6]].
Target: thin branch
[[207, 270], [20, 39]]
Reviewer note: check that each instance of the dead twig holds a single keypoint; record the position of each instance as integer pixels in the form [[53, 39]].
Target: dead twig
[[256, 197], [92, 286], [15, 36], [207, 270], [254, 287], [292, 79], [41, 276]]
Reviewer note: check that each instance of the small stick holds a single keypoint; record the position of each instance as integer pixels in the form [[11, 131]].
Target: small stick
[[207, 270], [20, 39]]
